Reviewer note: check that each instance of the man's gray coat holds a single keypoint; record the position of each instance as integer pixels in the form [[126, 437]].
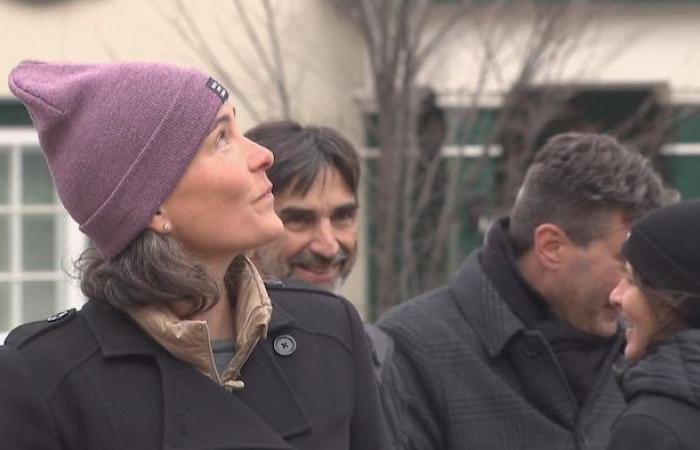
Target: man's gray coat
[[467, 374]]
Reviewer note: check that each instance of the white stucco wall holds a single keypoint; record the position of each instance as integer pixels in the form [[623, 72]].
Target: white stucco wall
[[321, 52], [616, 42]]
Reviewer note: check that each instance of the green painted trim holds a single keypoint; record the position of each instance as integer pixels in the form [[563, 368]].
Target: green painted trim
[[369, 172], [13, 113], [471, 127], [371, 121], [688, 129], [681, 172], [475, 127]]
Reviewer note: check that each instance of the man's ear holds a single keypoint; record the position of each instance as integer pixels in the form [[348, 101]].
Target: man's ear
[[550, 243], [159, 222]]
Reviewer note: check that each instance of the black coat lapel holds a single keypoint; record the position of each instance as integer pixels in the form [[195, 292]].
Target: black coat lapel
[[199, 414], [543, 384], [267, 391]]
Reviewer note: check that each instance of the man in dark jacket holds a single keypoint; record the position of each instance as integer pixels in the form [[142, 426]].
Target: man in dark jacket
[[516, 352], [315, 180]]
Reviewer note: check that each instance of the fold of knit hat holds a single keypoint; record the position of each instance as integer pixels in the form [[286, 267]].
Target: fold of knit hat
[[117, 137], [663, 248]]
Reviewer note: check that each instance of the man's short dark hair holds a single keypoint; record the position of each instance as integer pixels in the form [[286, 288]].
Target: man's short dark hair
[[576, 181], [301, 153]]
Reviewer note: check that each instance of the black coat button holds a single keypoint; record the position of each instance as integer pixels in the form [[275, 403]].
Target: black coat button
[[285, 345]]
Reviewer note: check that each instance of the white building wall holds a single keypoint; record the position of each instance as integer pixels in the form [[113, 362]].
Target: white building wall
[[618, 42], [321, 52]]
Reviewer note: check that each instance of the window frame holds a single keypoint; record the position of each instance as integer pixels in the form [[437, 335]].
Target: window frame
[[69, 241]]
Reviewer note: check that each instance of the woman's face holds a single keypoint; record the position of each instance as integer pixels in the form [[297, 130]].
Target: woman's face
[[223, 204], [641, 321]]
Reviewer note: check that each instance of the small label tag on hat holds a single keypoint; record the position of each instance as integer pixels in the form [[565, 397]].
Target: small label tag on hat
[[218, 89]]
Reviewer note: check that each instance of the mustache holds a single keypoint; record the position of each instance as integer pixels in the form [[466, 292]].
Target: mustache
[[309, 259]]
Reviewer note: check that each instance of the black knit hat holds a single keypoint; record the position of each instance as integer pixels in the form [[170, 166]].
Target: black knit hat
[[663, 248]]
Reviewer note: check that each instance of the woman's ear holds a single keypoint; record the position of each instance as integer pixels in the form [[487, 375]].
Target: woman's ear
[[160, 223]]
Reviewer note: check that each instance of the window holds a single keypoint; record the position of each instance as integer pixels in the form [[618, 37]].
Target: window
[[38, 239], [476, 140]]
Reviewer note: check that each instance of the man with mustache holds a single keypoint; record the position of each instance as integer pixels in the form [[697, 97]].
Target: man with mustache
[[315, 179]]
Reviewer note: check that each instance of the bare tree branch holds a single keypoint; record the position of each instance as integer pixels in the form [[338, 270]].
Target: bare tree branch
[[192, 35], [279, 76], [418, 196], [270, 60]]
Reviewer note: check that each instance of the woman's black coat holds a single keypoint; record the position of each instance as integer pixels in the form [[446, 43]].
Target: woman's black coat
[[663, 391], [93, 380]]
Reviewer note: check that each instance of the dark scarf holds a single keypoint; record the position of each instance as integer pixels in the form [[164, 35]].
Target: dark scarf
[[580, 354], [670, 368]]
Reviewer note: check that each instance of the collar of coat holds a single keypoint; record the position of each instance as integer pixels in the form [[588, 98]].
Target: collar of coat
[[495, 323], [482, 305], [499, 263], [198, 413], [189, 340]]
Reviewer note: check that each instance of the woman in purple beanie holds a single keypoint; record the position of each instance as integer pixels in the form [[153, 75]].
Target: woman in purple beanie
[[180, 344], [659, 299]]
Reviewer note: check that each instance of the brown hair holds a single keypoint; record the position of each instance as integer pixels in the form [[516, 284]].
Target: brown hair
[[669, 307], [151, 270]]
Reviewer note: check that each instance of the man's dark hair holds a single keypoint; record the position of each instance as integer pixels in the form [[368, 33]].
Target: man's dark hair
[[301, 153], [576, 181]]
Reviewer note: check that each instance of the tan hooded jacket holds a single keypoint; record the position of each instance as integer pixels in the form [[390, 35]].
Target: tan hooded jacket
[[189, 340]]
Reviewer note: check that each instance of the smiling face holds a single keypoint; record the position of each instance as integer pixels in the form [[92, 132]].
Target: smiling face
[[641, 323], [223, 203], [320, 233], [644, 323]]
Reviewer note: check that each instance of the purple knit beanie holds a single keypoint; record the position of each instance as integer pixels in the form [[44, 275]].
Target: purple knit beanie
[[117, 137]]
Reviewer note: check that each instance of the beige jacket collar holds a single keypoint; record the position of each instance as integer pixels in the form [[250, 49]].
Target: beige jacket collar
[[188, 340]]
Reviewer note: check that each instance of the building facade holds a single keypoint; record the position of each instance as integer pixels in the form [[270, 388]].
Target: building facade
[[624, 45]]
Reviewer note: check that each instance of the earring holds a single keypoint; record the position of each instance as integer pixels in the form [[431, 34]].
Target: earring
[[166, 227]]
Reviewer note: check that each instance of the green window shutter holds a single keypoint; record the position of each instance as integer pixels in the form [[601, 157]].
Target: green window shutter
[[13, 113]]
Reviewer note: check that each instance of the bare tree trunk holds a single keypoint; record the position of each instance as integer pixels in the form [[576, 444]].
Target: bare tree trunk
[[418, 195], [407, 195]]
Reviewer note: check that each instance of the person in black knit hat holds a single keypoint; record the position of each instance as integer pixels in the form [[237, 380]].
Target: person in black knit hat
[[659, 299]]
